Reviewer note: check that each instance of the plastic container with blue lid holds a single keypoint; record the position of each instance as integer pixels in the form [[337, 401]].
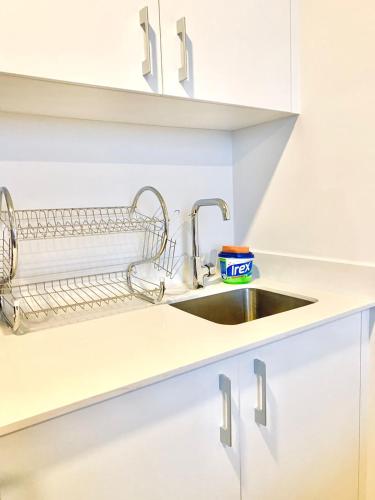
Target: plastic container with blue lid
[[236, 265]]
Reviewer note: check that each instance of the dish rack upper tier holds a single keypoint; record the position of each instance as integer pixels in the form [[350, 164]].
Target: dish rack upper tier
[[37, 299], [71, 222]]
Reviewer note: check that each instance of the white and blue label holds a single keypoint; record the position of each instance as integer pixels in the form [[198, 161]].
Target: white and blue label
[[235, 268]]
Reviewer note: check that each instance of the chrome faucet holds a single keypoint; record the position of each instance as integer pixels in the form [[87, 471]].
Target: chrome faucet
[[201, 270]]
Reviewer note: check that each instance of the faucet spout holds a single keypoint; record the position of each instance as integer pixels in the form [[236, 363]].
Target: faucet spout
[[212, 202], [201, 270]]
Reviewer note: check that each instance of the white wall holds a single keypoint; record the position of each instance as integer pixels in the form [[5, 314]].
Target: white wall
[[61, 162], [308, 188]]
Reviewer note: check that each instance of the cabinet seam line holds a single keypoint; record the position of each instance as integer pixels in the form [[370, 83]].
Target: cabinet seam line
[[291, 53], [161, 52], [239, 423], [360, 408]]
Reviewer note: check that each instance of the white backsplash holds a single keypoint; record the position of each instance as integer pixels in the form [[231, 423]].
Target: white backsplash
[[51, 162]]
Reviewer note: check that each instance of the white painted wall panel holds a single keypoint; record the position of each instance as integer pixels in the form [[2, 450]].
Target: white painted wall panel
[[61, 163], [313, 193]]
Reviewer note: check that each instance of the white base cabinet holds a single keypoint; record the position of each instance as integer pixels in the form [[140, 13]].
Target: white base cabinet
[[158, 443], [308, 448], [164, 442]]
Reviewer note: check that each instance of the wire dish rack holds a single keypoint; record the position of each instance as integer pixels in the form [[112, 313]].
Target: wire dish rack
[[35, 300], [70, 222]]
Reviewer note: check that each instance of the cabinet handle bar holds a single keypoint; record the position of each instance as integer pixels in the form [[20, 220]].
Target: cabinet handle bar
[[260, 412], [145, 25], [226, 429], [181, 32]]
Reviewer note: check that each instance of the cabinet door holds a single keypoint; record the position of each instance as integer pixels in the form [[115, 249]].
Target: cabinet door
[[157, 443], [98, 42], [236, 52], [308, 448]]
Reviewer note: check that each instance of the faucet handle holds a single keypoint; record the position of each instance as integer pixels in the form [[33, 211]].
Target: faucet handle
[[212, 269]]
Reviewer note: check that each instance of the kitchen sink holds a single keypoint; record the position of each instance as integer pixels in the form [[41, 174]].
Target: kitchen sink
[[241, 305]]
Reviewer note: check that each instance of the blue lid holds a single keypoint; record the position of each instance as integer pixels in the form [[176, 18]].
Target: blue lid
[[227, 255]]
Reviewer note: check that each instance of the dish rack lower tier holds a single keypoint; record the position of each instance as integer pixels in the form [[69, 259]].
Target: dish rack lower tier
[[41, 300]]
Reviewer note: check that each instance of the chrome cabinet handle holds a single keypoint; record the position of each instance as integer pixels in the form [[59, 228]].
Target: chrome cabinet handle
[[260, 411], [226, 429], [145, 25], [181, 32]]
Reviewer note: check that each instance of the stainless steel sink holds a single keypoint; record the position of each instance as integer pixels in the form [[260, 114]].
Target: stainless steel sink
[[241, 305]]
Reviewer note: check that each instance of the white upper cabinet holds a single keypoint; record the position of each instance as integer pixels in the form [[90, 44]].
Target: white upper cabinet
[[235, 52], [97, 42]]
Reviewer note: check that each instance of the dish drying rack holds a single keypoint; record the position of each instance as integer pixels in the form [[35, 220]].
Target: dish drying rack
[[19, 302]]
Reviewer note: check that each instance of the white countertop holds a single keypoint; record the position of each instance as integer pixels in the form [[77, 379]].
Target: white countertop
[[50, 372]]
